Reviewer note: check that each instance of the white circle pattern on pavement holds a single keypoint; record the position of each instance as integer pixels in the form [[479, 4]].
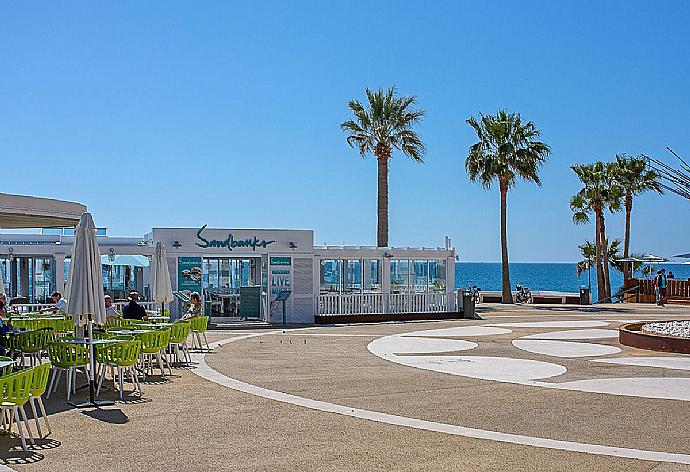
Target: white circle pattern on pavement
[[206, 372], [574, 334], [679, 363], [462, 331], [565, 349], [410, 345]]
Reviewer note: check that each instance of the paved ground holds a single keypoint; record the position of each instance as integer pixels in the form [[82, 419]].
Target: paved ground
[[319, 399]]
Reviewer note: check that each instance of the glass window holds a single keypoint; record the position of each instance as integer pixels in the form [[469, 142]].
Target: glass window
[[420, 275], [70, 232], [437, 275], [400, 275], [372, 275], [352, 275], [330, 275], [99, 231]]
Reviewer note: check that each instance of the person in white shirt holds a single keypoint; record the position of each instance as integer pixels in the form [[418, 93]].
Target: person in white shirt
[[110, 310], [60, 304]]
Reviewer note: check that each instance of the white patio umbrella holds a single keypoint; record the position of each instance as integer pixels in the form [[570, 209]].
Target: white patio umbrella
[[162, 287], [2, 284], [85, 290]]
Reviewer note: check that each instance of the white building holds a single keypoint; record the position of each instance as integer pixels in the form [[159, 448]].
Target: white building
[[241, 272]]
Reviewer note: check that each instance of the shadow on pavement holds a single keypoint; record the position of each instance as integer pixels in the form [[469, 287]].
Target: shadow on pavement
[[112, 416]]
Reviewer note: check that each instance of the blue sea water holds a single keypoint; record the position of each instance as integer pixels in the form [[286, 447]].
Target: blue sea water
[[560, 277]]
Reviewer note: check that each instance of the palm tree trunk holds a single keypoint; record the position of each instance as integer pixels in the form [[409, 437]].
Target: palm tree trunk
[[626, 244], [605, 257], [601, 290], [506, 293], [383, 154]]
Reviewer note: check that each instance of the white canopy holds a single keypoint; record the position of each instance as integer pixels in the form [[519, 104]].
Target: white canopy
[[85, 282], [20, 211], [162, 288]]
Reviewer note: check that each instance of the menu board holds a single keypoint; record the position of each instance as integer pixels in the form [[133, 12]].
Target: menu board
[[189, 274]]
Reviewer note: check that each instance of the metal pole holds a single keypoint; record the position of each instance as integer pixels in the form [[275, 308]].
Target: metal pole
[[589, 274]]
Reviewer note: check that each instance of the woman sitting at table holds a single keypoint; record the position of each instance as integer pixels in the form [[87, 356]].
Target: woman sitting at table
[[194, 306]]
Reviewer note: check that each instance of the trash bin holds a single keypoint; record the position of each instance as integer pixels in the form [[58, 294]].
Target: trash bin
[[584, 296], [467, 305]]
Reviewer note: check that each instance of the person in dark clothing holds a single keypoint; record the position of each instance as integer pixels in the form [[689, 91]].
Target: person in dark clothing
[[134, 311]]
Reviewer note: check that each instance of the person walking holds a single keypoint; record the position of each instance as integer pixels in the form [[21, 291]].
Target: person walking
[[660, 283]]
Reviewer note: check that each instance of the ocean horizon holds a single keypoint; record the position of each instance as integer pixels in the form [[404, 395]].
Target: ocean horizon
[[557, 276]]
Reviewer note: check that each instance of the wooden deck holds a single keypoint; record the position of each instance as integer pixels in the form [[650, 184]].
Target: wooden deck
[[678, 291]]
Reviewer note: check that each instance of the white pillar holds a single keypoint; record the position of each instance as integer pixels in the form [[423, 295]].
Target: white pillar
[[60, 273], [450, 284], [385, 282]]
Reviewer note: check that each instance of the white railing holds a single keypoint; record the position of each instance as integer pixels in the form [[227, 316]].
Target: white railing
[[35, 307], [29, 307], [368, 303]]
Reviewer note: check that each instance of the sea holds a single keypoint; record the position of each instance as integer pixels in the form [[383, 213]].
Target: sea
[[560, 277]]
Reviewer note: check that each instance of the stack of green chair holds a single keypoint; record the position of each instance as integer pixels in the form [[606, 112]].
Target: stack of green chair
[[179, 331], [122, 356], [39, 383], [15, 390], [69, 358], [199, 324], [153, 345]]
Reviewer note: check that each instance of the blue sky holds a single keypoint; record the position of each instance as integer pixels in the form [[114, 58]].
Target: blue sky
[[227, 113]]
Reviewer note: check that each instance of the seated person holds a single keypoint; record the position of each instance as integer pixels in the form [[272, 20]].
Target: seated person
[[134, 311], [60, 304], [3, 305], [195, 308], [110, 311]]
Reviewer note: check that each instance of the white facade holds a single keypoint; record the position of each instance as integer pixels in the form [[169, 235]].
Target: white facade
[[241, 272]]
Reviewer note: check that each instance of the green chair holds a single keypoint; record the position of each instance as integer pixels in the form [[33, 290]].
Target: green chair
[[7, 370], [199, 324], [31, 343], [122, 356], [68, 358], [153, 344], [63, 328], [16, 389], [179, 331], [39, 383], [114, 322]]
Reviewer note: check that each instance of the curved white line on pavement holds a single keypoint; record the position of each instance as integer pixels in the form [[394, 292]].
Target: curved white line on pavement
[[4, 468], [206, 372], [553, 324]]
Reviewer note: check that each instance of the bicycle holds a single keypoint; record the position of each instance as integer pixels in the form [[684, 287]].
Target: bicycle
[[523, 295], [475, 292]]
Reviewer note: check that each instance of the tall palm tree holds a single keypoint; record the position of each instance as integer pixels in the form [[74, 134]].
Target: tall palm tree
[[599, 192], [383, 124], [507, 150], [635, 178]]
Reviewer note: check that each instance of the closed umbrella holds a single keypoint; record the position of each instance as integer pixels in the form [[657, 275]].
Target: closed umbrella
[[162, 288], [85, 291], [2, 284]]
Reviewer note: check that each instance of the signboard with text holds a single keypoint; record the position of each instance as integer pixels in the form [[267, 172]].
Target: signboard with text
[[189, 274]]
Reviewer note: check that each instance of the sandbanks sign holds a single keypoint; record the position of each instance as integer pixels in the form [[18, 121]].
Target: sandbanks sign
[[230, 242]]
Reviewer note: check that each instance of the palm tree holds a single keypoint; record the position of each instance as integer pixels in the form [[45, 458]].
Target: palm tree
[[507, 149], [384, 124], [599, 192], [635, 178], [588, 251]]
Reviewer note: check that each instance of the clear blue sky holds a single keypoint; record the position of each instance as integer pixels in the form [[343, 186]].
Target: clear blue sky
[[227, 113]]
